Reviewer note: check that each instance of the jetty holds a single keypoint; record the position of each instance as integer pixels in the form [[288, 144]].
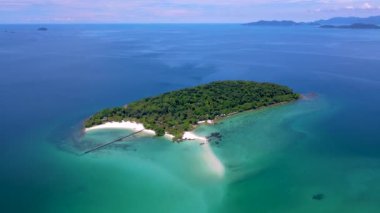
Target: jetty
[[111, 142]]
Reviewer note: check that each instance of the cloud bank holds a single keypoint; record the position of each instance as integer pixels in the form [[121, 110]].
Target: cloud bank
[[178, 11]]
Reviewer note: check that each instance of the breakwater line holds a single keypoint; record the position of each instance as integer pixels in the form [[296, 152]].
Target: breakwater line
[[111, 142]]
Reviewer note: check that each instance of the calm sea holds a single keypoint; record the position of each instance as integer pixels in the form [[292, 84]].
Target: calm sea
[[275, 160]]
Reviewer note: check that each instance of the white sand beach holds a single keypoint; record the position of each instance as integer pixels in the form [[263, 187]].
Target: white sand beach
[[192, 136], [122, 125], [208, 155]]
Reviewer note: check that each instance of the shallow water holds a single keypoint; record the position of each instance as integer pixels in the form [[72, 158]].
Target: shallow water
[[275, 159]]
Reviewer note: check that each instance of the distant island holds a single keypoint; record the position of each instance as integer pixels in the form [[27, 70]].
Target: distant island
[[352, 26], [372, 22], [375, 20], [273, 23], [182, 110]]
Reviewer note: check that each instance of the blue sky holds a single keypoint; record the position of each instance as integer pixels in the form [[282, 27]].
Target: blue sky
[[179, 11]]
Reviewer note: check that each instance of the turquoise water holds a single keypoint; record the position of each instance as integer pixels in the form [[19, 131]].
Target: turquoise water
[[275, 159]]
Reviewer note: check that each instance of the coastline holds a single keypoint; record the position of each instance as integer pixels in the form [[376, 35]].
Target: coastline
[[134, 126], [220, 118], [209, 157], [189, 135], [121, 125]]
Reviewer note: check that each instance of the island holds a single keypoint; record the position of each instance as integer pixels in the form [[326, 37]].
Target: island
[[352, 26], [372, 22], [273, 23], [350, 20], [183, 110]]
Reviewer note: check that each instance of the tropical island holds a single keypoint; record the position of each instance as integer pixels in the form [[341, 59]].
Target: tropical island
[[273, 23], [372, 22], [42, 29], [179, 111], [352, 26]]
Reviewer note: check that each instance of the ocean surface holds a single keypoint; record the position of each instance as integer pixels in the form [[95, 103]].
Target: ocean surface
[[275, 159]]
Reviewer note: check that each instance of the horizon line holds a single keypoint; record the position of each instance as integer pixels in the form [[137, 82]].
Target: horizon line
[[79, 23]]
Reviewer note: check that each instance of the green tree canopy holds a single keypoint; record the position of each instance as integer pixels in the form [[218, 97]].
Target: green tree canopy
[[179, 111]]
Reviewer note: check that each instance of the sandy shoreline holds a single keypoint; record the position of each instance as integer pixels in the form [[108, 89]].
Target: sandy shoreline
[[121, 125], [208, 155], [138, 127]]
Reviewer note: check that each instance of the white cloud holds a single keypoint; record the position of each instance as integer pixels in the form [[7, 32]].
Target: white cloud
[[182, 10], [366, 6]]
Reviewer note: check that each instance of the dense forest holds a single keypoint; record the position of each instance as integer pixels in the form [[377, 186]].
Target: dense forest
[[179, 111]]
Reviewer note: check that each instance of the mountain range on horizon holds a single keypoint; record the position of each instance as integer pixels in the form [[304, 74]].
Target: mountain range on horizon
[[372, 20]]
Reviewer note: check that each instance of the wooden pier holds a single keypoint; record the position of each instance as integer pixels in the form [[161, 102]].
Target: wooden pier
[[111, 142]]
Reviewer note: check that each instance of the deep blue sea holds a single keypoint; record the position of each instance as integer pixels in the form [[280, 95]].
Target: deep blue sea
[[275, 159]]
